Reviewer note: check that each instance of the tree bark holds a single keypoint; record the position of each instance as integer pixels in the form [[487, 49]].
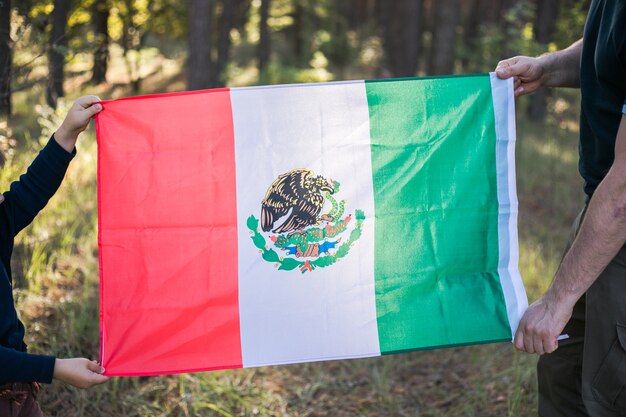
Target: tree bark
[[402, 30], [56, 55], [443, 50], [101, 52], [199, 61], [223, 42], [5, 57], [264, 41]]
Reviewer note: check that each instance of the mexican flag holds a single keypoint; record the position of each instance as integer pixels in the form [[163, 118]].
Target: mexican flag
[[269, 225]]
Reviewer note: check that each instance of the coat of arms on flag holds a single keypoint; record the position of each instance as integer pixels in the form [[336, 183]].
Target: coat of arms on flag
[[292, 220], [280, 224]]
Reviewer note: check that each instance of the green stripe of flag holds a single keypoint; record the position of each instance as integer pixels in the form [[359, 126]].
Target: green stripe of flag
[[433, 145]]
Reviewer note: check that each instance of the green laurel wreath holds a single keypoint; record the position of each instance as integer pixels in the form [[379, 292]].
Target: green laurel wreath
[[288, 264], [311, 235]]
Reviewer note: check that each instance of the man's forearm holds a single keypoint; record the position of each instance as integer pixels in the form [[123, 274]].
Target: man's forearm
[[562, 68], [601, 235]]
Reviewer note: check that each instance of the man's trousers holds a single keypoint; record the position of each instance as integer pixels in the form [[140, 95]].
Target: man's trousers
[[586, 375]]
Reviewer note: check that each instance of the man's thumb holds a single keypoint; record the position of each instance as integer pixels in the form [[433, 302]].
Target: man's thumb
[[506, 69]]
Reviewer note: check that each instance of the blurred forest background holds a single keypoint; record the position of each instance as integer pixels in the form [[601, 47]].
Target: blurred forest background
[[52, 51]]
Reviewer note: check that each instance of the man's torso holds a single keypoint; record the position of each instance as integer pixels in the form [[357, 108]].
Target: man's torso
[[603, 86]]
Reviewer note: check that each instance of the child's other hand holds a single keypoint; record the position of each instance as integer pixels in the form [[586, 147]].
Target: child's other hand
[[79, 372], [77, 120]]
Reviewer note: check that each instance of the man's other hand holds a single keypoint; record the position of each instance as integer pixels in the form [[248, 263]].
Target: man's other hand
[[541, 325]]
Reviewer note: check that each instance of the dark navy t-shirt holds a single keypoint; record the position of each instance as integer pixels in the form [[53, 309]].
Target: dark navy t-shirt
[[603, 87]]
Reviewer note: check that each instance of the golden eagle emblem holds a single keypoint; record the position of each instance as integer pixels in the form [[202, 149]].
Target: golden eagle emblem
[[297, 194], [301, 237]]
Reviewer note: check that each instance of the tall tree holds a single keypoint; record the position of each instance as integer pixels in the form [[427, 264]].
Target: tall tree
[[199, 61], [5, 57], [305, 24], [481, 13], [359, 12], [443, 50], [402, 33], [101, 53], [264, 40], [227, 20], [544, 27], [241, 13], [132, 41], [545, 21], [298, 27], [508, 24], [56, 54]]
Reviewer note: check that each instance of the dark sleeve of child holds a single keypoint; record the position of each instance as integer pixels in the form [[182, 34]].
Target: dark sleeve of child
[[22, 202]]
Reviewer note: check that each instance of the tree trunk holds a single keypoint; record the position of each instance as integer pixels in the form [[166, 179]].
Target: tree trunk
[[507, 27], [360, 12], [264, 41], [241, 14], [443, 51], [298, 33], [482, 13], [338, 52], [305, 25], [132, 40], [199, 61], [471, 33], [492, 14], [101, 52], [223, 41], [5, 57], [544, 27], [56, 55], [402, 35]]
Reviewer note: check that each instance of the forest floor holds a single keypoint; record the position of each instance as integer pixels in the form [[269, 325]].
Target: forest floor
[[55, 265]]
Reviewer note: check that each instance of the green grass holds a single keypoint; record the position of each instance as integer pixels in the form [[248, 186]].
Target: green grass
[[56, 272]]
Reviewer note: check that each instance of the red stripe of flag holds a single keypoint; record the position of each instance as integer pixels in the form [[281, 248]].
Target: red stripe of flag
[[168, 234]]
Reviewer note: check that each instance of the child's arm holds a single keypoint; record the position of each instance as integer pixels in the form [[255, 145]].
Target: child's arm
[[18, 366], [80, 372], [31, 193], [24, 200], [23, 367]]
